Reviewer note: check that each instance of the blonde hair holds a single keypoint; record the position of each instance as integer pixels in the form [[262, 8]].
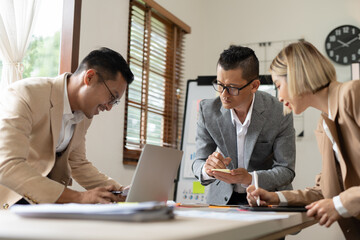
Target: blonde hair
[[305, 68]]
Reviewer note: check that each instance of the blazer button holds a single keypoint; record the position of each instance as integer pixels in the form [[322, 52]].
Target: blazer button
[[226, 198], [5, 206]]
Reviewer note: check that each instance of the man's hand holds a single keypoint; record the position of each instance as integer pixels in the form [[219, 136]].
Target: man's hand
[[123, 195], [324, 211], [239, 175], [266, 198], [216, 160], [96, 195]]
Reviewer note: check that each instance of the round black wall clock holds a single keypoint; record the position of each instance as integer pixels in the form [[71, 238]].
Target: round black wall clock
[[343, 45]]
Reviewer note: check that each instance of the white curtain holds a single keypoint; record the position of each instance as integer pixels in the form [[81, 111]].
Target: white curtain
[[17, 19]]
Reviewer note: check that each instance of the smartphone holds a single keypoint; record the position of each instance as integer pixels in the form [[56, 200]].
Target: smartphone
[[116, 192], [122, 193]]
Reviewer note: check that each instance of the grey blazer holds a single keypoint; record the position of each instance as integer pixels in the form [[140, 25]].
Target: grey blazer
[[269, 145]]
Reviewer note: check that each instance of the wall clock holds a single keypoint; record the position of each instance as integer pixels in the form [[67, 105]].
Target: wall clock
[[342, 45]]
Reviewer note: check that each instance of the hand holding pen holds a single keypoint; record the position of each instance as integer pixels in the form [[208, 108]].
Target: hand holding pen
[[261, 197], [216, 161]]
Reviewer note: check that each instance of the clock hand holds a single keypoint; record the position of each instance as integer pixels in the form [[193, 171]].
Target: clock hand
[[352, 40], [343, 44]]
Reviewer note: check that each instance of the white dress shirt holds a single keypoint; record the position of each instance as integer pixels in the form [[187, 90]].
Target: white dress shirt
[[69, 120], [241, 131]]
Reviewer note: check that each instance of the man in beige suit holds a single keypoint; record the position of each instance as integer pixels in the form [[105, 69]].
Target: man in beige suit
[[43, 123], [305, 78]]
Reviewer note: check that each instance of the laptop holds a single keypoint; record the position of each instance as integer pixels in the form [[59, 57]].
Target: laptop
[[155, 174]]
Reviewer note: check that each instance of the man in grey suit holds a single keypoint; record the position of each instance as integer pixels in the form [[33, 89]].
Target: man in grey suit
[[243, 130]]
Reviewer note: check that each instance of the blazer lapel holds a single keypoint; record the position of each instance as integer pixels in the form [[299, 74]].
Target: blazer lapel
[[333, 97], [332, 127], [330, 186], [57, 109], [228, 133], [255, 127]]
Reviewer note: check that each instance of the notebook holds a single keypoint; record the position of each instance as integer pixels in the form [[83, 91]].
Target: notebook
[[155, 174]]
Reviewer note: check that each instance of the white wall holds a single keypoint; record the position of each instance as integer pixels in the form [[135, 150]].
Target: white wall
[[216, 24], [105, 24]]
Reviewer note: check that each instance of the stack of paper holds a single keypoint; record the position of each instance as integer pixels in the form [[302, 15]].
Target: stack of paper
[[145, 211]]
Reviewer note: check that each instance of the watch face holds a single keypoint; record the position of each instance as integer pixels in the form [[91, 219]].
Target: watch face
[[343, 44]]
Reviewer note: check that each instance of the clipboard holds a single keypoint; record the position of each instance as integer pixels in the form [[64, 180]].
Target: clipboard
[[274, 208]]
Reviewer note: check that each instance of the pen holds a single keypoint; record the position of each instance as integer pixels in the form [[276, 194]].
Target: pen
[[219, 206], [256, 186]]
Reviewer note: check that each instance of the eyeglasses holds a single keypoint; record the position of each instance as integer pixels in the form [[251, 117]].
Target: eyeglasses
[[233, 91], [113, 100]]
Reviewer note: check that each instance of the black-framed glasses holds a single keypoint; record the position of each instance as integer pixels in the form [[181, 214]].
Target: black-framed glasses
[[233, 91], [113, 100]]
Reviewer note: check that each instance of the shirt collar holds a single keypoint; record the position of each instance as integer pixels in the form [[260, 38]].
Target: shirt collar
[[235, 119], [76, 116], [67, 108]]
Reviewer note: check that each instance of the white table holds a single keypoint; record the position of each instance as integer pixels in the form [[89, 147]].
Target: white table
[[15, 227]]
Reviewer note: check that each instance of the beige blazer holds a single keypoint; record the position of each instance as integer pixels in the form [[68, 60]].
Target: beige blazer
[[30, 121], [341, 177]]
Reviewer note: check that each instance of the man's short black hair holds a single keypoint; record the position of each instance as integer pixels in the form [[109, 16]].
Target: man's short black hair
[[108, 63], [240, 57]]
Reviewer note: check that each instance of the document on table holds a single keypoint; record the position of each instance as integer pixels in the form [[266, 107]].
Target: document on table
[[230, 215], [145, 211]]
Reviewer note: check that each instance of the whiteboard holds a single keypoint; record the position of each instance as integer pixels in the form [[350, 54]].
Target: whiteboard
[[196, 90]]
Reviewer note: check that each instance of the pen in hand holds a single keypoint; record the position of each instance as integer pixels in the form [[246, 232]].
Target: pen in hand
[[256, 186]]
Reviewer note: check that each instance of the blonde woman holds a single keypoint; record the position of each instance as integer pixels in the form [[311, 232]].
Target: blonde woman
[[305, 78]]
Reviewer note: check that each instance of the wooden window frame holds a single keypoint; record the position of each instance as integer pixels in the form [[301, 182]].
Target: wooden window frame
[[170, 130], [70, 36]]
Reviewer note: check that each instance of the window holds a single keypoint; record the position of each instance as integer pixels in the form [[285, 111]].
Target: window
[[43, 53], [153, 100], [54, 16]]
